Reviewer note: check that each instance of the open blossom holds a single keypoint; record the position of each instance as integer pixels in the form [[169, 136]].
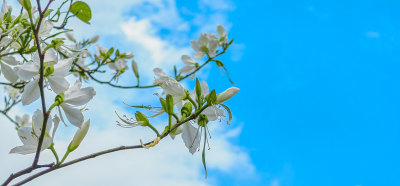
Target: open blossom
[[206, 44], [73, 97], [190, 65], [29, 135], [55, 73], [118, 65], [170, 85]]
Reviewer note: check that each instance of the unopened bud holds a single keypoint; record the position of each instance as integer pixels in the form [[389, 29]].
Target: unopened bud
[[227, 94], [59, 99], [186, 110], [79, 135], [203, 120], [170, 104], [142, 118]]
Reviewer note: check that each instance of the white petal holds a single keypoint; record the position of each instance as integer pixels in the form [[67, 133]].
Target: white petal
[[159, 72], [31, 92], [213, 113], [9, 73], [186, 69], [10, 60], [188, 60], [191, 137], [204, 88], [26, 149], [74, 115], [62, 67], [37, 123], [81, 97], [58, 83], [27, 136], [27, 71], [56, 121]]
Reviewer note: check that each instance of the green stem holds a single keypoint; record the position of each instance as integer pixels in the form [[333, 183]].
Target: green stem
[[192, 101], [65, 157], [176, 117], [54, 153], [154, 129]]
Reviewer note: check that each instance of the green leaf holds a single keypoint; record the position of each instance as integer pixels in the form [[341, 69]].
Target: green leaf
[[82, 11]]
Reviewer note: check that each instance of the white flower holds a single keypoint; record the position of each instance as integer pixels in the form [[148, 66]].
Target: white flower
[[227, 94], [23, 121], [223, 36], [101, 52], [118, 65], [207, 44], [30, 135], [190, 64], [73, 97], [56, 77]]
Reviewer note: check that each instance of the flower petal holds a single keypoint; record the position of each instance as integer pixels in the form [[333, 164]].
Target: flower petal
[[9, 73], [58, 84], [62, 67], [31, 92], [27, 71], [74, 115], [190, 137]]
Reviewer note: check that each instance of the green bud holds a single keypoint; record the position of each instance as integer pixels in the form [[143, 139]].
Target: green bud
[[48, 70], [186, 110], [203, 120], [219, 63], [170, 104], [59, 99], [143, 118], [212, 97], [110, 52], [198, 88], [163, 104], [26, 4]]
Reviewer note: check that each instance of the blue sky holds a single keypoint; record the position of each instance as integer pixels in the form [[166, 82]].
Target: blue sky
[[318, 105], [319, 90]]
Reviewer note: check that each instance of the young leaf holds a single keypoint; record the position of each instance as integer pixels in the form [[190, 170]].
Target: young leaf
[[82, 11]]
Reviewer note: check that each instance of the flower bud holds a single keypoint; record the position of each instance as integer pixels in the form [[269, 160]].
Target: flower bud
[[163, 104], [94, 39], [59, 99], [169, 104], [140, 117], [227, 94], [70, 37], [79, 135], [212, 97], [203, 120], [48, 70], [186, 110], [198, 88], [135, 68]]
